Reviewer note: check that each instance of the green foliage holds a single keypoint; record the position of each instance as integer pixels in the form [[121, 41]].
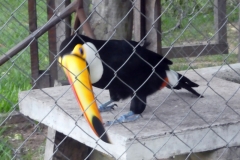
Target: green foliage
[[196, 26], [203, 61], [12, 79], [185, 21], [232, 11], [11, 137], [5, 148], [15, 75]]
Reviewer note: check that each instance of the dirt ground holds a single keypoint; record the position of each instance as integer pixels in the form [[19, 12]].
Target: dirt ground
[[26, 138]]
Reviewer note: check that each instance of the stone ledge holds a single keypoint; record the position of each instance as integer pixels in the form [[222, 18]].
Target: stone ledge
[[57, 108]]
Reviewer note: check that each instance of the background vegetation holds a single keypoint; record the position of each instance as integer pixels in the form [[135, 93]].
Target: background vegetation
[[15, 75]]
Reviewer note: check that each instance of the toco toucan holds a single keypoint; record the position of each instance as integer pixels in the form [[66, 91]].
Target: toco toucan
[[124, 68], [75, 68]]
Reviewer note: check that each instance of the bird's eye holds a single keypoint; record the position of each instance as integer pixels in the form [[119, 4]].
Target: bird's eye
[[81, 51]]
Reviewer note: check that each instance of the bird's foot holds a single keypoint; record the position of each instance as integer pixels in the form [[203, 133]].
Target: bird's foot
[[103, 108], [106, 106], [129, 117]]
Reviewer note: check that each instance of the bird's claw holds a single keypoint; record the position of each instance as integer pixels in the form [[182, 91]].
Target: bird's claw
[[129, 117], [103, 108], [113, 106]]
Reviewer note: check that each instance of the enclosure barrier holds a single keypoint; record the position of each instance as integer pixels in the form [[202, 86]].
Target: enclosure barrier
[[201, 37]]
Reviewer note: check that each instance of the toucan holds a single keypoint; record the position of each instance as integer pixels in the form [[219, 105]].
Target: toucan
[[74, 65], [123, 67]]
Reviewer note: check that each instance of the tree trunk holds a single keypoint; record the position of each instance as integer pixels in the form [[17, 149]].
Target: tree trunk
[[109, 18]]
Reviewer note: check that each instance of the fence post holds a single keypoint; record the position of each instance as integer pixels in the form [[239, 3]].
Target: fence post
[[239, 36], [32, 11], [153, 11], [67, 23], [63, 30], [219, 20], [52, 43], [139, 22]]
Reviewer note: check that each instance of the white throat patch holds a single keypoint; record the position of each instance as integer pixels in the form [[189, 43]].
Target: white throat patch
[[172, 77], [94, 62]]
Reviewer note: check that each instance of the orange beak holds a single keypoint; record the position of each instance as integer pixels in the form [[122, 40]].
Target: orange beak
[[75, 68]]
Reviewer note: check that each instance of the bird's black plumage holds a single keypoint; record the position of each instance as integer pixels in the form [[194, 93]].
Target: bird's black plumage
[[129, 70]]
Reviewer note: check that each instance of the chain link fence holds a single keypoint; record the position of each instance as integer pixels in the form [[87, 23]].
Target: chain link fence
[[194, 35]]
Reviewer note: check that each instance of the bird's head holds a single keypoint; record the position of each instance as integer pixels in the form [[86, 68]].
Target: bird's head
[[88, 54], [83, 67], [79, 51]]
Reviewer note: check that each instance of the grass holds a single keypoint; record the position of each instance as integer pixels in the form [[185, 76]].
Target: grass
[[197, 26], [14, 135], [15, 75], [196, 31], [202, 62], [36, 155], [5, 148]]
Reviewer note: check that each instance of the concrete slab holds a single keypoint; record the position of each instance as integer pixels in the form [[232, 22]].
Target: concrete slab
[[173, 123], [230, 74]]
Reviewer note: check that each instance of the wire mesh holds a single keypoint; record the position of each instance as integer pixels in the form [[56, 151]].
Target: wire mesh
[[194, 34]]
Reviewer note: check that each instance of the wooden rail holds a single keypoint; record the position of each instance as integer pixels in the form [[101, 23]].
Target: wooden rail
[[141, 27], [34, 45], [37, 33]]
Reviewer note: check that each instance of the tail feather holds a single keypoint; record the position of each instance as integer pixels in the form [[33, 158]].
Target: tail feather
[[188, 81], [183, 82], [187, 87]]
